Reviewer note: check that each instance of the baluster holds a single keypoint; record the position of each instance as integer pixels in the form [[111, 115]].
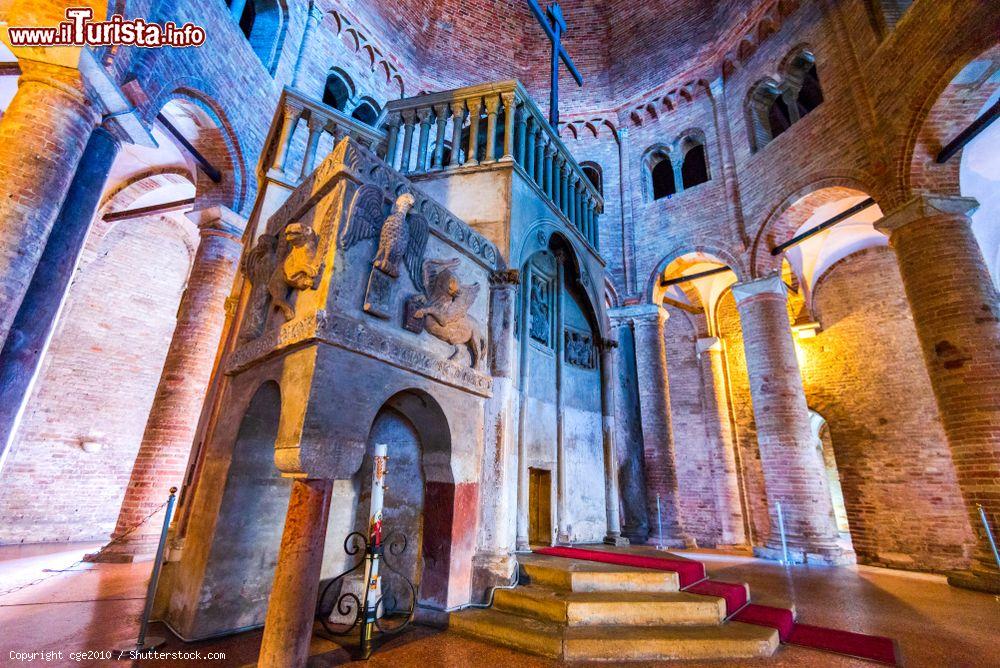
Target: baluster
[[425, 133], [472, 153], [539, 156], [441, 117], [550, 153], [594, 229], [392, 128], [289, 120], [492, 108], [521, 139], [530, 160], [457, 121], [409, 120], [564, 188], [575, 197], [315, 125], [509, 115]]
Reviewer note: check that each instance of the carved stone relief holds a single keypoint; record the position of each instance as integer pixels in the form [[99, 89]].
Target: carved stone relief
[[540, 310], [445, 309], [579, 348]]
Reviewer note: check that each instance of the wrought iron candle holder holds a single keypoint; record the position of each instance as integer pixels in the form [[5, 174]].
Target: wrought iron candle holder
[[373, 607]]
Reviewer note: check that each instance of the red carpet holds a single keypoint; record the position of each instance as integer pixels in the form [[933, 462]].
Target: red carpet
[[738, 608]]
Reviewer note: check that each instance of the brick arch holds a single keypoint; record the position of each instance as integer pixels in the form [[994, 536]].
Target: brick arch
[[223, 143], [943, 115], [787, 216], [653, 293]]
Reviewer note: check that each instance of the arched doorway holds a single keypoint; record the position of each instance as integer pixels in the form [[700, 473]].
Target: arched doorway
[[419, 505], [821, 434]]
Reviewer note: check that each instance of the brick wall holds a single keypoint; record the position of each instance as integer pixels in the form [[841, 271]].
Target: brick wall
[[97, 383]]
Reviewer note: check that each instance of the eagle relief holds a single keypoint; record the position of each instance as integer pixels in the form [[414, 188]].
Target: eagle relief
[[402, 238]]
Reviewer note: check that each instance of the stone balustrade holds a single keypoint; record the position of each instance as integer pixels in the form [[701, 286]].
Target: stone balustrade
[[487, 124], [304, 131]]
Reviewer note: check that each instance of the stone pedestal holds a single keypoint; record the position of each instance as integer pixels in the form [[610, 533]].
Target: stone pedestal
[[794, 475], [32, 328], [291, 608], [166, 442], [720, 433], [957, 317], [657, 435], [42, 138]]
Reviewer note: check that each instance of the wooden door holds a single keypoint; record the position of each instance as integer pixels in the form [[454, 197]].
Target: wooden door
[[540, 506]]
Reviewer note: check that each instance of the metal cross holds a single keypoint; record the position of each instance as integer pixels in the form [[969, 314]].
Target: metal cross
[[554, 27]]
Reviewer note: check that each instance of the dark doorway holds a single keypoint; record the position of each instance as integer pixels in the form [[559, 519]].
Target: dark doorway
[[540, 506]]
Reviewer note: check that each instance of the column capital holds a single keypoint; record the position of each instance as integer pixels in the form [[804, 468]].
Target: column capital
[[504, 278], [392, 119], [441, 111], [219, 219], [926, 206], [424, 114], [492, 104], [639, 313], [767, 285], [458, 108], [711, 343], [474, 104]]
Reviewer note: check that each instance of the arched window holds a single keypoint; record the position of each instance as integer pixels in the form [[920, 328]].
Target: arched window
[[663, 179], [694, 169], [593, 173], [339, 89], [810, 94], [366, 112], [263, 23], [773, 107]]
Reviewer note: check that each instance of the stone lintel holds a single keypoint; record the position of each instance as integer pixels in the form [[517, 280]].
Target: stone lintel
[[768, 285], [926, 206], [638, 312]]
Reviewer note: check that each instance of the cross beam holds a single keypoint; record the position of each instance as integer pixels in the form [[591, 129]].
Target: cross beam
[[554, 26]]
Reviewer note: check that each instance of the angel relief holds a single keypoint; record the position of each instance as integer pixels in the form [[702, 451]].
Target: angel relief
[[445, 309]]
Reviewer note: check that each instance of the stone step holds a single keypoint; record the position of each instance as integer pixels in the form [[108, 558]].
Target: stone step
[[626, 608], [616, 643], [592, 576]]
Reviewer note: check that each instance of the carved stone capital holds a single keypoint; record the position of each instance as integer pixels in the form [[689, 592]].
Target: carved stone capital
[[926, 206], [712, 343], [504, 278], [768, 285], [392, 119], [219, 220], [441, 111], [424, 115], [474, 104], [492, 104], [409, 116], [458, 108], [639, 314]]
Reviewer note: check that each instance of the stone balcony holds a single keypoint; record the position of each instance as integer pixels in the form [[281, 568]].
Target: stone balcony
[[490, 127]]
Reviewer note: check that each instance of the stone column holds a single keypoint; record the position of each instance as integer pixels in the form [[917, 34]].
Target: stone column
[[793, 469], [392, 143], [957, 318], [424, 139], [720, 436], [409, 120], [539, 142], [32, 328], [472, 153], [562, 492], [42, 138], [457, 120], [648, 321], [493, 563], [524, 377], [441, 119], [609, 376], [315, 126], [492, 109], [291, 608], [173, 418]]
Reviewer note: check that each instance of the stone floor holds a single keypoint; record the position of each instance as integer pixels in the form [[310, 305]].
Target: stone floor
[[96, 606]]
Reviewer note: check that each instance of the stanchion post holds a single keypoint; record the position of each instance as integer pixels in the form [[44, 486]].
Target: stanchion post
[[784, 543], [989, 532], [142, 643]]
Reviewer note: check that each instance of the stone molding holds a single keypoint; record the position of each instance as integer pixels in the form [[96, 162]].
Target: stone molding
[[505, 278], [926, 206], [772, 285], [357, 337]]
